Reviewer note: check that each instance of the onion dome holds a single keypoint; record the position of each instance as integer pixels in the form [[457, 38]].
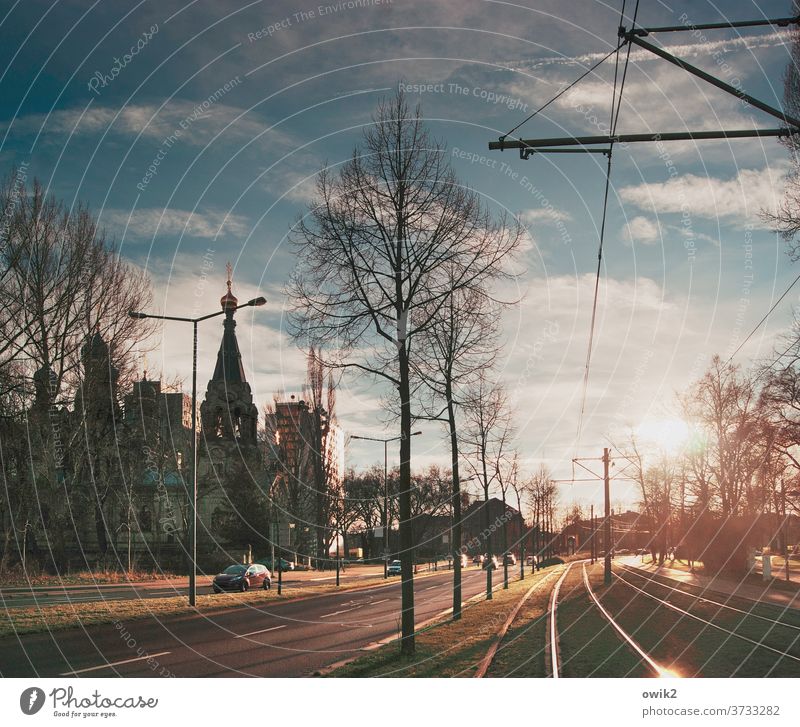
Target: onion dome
[[229, 301]]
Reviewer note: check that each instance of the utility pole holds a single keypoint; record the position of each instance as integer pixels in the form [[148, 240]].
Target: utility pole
[[591, 545], [607, 528]]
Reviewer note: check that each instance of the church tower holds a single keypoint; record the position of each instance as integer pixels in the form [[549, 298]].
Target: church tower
[[228, 414], [230, 463]]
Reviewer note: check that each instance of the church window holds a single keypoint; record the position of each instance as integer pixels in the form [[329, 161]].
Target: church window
[[145, 519]]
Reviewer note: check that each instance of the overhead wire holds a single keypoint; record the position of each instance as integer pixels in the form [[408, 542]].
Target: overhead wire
[[565, 89], [616, 103], [759, 324]]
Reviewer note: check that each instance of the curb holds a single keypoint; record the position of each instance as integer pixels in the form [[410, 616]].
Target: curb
[[486, 662]]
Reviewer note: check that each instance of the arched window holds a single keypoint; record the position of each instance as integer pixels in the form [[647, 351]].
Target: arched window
[[218, 519], [145, 519]]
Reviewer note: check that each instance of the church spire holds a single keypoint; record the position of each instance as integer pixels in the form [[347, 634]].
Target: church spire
[[229, 359], [228, 413]]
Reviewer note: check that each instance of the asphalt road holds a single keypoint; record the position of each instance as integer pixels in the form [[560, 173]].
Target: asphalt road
[[281, 640]]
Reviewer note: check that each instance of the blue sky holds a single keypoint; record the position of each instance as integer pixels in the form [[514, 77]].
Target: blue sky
[[241, 103]]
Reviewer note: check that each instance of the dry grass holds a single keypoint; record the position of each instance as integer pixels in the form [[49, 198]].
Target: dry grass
[[19, 579], [33, 619]]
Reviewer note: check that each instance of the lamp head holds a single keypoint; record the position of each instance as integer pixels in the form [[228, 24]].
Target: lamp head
[[136, 314], [261, 300]]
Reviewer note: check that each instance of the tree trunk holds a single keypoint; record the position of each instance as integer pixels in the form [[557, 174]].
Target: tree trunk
[[404, 497], [455, 546], [505, 543]]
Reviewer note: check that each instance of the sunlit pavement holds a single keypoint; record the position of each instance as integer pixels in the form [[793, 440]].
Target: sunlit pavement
[[726, 586]]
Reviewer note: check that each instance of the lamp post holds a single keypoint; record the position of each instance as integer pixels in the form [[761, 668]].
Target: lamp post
[[193, 502], [385, 492]]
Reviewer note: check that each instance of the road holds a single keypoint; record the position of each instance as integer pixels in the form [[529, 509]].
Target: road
[[17, 597], [278, 639]]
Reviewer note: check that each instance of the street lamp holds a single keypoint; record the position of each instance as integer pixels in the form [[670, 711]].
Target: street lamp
[[385, 492], [193, 509]]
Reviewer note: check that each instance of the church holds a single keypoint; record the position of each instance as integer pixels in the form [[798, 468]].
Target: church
[[113, 470], [112, 467]]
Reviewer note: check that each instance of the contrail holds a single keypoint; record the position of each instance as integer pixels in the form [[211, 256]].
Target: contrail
[[687, 50]]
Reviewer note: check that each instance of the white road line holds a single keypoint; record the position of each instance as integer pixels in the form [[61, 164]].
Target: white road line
[[346, 610], [262, 631], [429, 588], [115, 663], [553, 630], [659, 670], [375, 603]]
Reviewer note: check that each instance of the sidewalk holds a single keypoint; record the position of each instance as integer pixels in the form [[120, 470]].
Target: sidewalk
[[763, 592]]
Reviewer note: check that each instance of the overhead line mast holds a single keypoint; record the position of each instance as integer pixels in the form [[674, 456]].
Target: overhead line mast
[[634, 36]]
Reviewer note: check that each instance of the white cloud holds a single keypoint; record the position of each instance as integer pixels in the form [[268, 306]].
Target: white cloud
[[544, 215], [149, 222], [641, 230], [741, 198], [193, 124]]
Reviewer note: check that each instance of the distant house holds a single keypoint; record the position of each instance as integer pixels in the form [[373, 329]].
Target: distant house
[[477, 530], [630, 530]]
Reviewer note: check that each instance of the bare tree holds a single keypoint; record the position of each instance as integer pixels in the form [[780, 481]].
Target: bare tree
[[542, 494], [460, 342], [64, 286], [787, 217], [375, 259], [487, 424], [507, 466]]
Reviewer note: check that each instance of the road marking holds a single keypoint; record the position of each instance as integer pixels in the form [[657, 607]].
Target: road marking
[[262, 631], [336, 613], [115, 663], [429, 588], [383, 600]]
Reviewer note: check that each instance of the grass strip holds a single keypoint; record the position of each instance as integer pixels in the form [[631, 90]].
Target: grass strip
[[37, 619], [446, 648]]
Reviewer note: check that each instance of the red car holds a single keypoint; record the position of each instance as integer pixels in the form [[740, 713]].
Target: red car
[[239, 577]]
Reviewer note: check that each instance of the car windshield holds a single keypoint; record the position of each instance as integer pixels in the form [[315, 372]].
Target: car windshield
[[234, 570]]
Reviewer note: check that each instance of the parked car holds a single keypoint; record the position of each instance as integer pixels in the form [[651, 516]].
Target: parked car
[[240, 577], [394, 568], [281, 563], [509, 559], [478, 560], [490, 562]]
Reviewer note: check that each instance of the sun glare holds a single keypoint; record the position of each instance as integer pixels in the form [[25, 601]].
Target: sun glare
[[669, 435]]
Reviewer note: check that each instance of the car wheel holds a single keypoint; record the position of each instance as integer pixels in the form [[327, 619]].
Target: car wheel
[[217, 590], [266, 584], [244, 586]]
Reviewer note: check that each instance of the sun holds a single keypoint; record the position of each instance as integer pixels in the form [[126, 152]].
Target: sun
[[669, 434]]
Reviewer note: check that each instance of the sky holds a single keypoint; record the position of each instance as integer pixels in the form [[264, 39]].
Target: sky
[[193, 130]]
